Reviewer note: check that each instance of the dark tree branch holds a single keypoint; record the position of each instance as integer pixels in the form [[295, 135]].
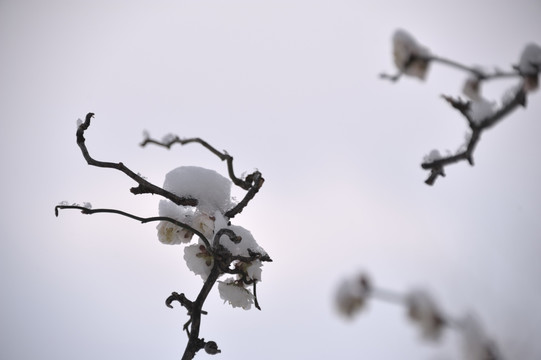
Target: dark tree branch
[[252, 183], [144, 187], [436, 166], [222, 257], [143, 220], [194, 311]]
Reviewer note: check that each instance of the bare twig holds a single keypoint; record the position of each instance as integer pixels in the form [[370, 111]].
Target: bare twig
[[252, 183], [144, 187], [88, 211]]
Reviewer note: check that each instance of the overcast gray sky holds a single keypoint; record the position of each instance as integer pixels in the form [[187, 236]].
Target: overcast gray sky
[[290, 88]]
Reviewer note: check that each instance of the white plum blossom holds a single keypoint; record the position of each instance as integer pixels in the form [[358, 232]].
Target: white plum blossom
[[234, 293], [476, 345], [410, 57], [171, 234], [198, 259], [422, 309], [212, 190], [351, 295], [253, 270]]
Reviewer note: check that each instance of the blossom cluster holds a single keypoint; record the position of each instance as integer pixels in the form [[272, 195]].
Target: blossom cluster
[[231, 248]]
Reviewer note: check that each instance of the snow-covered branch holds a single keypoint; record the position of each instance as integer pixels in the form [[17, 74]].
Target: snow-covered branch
[[252, 182], [354, 293], [414, 59], [198, 202]]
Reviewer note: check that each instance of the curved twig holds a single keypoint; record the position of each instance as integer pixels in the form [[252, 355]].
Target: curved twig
[[144, 187], [88, 211], [252, 183]]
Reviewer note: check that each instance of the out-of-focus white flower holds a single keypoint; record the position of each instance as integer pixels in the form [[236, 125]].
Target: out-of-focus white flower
[[530, 66], [172, 234], [235, 294], [410, 57], [199, 260], [476, 345], [422, 310], [351, 295]]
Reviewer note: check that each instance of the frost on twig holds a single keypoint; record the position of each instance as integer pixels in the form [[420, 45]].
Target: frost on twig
[[413, 59], [198, 202], [422, 310]]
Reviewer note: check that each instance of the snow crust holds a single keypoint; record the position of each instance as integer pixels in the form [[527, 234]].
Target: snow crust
[[212, 190]]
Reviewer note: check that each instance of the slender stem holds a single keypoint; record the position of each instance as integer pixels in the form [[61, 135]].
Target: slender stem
[[194, 342], [144, 187], [143, 220]]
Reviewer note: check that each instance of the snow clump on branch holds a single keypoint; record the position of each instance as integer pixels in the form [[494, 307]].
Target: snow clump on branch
[[530, 66]]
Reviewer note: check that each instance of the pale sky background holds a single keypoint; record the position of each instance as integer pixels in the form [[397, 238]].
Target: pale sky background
[[290, 88]]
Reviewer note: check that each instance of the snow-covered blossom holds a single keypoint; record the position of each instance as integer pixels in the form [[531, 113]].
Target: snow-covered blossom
[[410, 57], [476, 345], [422, 309], [241, 248], [253, 270], [171, 234], [351, 295], [481, 110], [199, 260], [235, 294], [530, 66], [432, 156], [212, 190]]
